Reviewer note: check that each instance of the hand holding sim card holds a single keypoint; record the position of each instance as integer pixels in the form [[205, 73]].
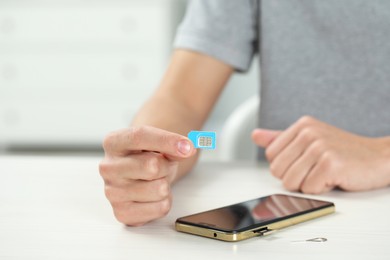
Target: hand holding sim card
[[203, 139]]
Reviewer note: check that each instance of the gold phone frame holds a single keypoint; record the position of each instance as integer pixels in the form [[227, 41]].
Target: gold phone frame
[[257, 231]]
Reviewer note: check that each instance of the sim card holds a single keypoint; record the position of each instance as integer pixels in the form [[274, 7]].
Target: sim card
[[203, 139]]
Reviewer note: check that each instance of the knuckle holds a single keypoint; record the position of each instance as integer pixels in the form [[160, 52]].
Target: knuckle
[[126, 216], [163, 188], [305, 120], [164, 208], [318, 148], [109, 141], [105, 169], [327, 158], [135, 134], [307, 135], [111, 194], [269, 154], [122, 216], [152, 167], [328, 161]]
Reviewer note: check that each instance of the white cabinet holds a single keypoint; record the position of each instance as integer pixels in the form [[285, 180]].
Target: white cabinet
[[71, 71]]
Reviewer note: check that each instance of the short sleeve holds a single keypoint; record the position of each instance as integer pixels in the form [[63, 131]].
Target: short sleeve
[[223, 29]]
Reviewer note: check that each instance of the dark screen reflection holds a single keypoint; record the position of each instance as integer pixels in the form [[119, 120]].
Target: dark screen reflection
[[252, 212]]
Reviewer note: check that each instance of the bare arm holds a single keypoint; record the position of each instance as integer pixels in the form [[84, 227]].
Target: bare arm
[[142, 161], [187, 94], [314, 157]]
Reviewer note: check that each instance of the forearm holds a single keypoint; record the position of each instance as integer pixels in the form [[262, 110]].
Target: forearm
[[186, 96], [167, 113]]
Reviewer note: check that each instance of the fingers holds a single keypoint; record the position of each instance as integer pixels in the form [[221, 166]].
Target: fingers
[[138, 186], [138, 169], [320, 179], [284, 148], [136, 214], [264, 137], [147, 138], [297, 172], [297, 154], [141, 166], [139, 191], [297, 158], [312, 173], [302, 126]]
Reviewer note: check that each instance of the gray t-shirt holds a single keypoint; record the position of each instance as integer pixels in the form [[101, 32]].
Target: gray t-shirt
[[329, 59]]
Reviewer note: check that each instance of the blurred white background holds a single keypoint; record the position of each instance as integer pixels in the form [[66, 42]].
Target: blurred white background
[[71, 71]]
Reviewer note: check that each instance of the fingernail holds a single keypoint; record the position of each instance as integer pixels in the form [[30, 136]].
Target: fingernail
[[184, 147]]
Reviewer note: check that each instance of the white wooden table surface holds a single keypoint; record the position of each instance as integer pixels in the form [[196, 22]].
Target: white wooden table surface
[[53, 207]]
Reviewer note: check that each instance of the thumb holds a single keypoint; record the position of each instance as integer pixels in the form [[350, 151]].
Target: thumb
[[264, 137]]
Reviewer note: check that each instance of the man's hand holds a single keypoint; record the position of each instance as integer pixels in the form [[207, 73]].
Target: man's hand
[[314, 157], [141, 162], [139, 167]]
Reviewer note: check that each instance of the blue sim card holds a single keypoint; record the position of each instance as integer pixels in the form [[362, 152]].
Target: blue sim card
[[203, 139]]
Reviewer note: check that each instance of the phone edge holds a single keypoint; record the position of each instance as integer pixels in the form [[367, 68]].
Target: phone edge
[[258, 231]]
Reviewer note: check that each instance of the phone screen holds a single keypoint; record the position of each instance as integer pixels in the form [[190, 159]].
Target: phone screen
[[261, 211]]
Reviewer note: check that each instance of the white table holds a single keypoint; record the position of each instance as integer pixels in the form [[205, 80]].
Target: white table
[[54, 208]]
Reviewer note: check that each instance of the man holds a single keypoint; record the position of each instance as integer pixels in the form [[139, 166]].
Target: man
[[325, 99]]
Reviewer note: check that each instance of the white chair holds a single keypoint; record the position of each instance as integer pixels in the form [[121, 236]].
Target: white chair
[[235, 142]]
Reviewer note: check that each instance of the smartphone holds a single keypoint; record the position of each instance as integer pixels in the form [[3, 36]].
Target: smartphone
[[257, 217]]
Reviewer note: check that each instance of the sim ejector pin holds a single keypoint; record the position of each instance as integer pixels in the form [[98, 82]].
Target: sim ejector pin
[[316, 239]]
